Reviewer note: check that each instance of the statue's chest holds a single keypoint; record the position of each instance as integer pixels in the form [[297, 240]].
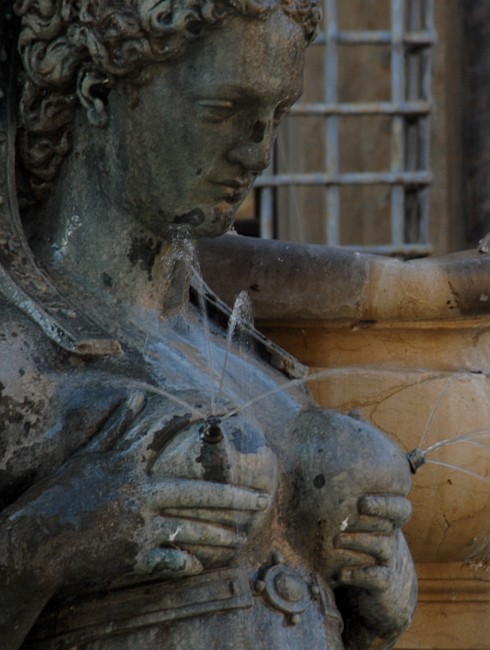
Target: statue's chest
[[236, 453]]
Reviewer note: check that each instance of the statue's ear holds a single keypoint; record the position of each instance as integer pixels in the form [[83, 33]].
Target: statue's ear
[[92, 90]]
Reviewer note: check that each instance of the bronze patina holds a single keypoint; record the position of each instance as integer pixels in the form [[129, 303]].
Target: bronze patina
[[149, 498]]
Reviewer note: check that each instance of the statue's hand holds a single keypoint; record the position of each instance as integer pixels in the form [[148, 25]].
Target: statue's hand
[[106, 513], [97, 517], [376, 564], [207, 519], [92, 522], [216, 496], [365, 550]]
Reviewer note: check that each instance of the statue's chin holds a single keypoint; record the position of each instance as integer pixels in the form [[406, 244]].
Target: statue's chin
[[205, 219], [222, 219], [207, 222]]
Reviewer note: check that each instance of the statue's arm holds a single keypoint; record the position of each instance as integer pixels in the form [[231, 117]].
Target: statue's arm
[[96, 515], [96, 519], [40, 432], [23, 594]]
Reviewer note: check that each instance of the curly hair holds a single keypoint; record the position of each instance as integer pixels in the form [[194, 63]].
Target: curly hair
[[60, 38]]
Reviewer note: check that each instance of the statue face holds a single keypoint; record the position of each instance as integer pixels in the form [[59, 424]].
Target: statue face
[[204, 126]]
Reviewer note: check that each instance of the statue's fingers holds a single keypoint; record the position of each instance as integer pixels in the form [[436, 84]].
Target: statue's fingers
[[349, 558], [372, 578], [396, 509], [185, 531], [379, 547], [368, 524], [186, 493], [168, 562], [212, 555], [232, 518]]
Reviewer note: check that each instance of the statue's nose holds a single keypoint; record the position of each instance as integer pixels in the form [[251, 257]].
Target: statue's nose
[[254, 152]]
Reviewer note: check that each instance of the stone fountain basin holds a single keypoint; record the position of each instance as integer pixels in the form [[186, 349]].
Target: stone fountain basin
[[405, 344]]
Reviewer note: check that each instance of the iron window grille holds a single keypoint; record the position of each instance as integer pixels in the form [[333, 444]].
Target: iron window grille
[[410, 40]]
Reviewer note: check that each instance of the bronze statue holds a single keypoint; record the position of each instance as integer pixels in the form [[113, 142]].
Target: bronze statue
[[158, 490]]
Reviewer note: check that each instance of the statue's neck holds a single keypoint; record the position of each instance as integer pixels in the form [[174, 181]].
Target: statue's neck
[[90, 240]]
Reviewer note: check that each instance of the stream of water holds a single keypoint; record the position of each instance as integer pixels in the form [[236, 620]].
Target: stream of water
[[241, 316], [183, 252]]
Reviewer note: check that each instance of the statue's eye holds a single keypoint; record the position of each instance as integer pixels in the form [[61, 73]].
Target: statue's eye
[[216, 110]]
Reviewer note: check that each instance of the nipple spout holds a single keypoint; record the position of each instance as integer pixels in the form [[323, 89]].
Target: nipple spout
[[416, 458], [211, 431]]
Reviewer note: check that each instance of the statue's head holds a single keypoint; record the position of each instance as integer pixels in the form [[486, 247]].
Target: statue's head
[[187, 93]]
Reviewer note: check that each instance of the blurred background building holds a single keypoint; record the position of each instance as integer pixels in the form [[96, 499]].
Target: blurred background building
[[387, 151]]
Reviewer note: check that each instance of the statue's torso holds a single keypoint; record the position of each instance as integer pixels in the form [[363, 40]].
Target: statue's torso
[[276, 589], [252, 602]]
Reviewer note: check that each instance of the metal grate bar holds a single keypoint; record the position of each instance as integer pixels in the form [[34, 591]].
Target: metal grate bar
[[365, 108], [267, 213], [397, 123], [418, 132], [415, 38], [350, 178], [424, 159], [410, 38], [266, 202], [421, 39], [332, 193]]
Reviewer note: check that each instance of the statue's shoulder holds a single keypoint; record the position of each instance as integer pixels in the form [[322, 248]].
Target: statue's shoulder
[[26, 362], [50, 403], [28, 387], [23, 344]]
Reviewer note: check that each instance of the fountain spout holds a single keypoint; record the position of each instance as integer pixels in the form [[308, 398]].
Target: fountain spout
[[416, 458], [211, 430]]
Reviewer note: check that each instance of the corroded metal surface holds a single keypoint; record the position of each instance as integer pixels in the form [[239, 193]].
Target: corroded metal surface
[[180, 492]]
